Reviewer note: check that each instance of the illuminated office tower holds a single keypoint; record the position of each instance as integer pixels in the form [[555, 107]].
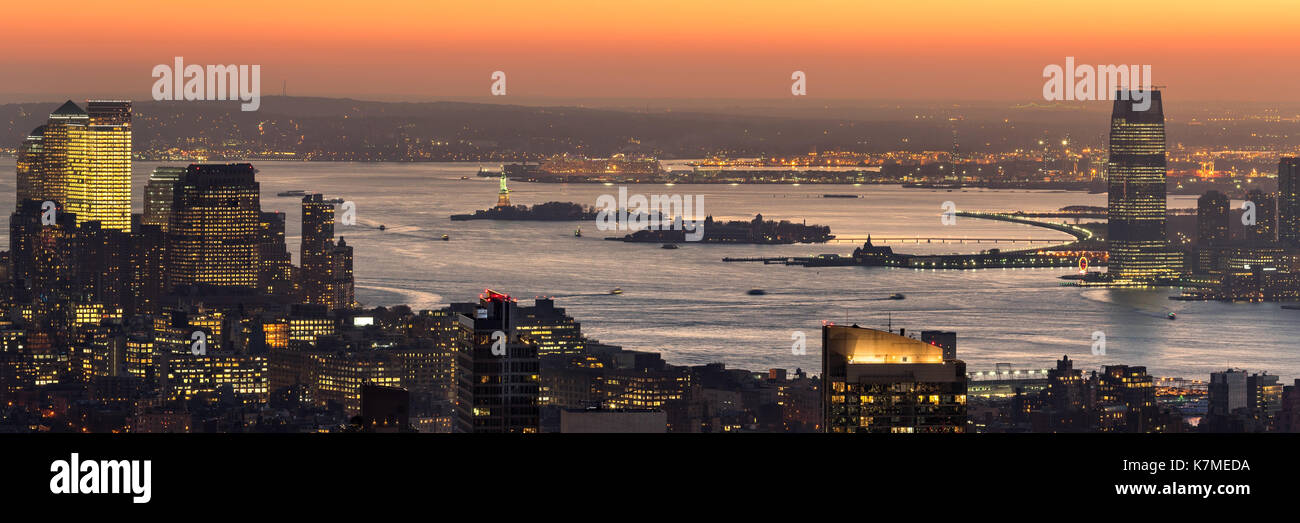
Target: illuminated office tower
[[317, 242], [1288, 201], [497, 377], [877, 381], [29, 166], [1211, 219], [158, 195], [326, 268], [340, 288], [1136, 202], [98, 183], [67, 121], [1264, 231], [214, 236]]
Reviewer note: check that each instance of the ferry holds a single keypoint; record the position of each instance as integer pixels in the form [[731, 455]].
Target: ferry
[[896, 296], [446, 237]]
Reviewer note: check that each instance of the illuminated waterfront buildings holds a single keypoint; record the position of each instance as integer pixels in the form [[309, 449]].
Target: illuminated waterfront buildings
[[1136, 201], [877, 381]]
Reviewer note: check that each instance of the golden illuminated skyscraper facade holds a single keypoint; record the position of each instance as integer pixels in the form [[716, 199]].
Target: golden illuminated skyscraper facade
[[57, 143], [877, 381], [215, 232], [97, 179]]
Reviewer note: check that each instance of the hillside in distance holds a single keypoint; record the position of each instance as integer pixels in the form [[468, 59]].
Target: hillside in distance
[[345, 129]]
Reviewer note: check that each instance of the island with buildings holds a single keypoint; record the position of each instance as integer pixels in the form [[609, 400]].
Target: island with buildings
[[756, 231]]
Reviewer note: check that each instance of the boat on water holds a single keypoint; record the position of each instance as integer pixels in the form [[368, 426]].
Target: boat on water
[[1173, 316], [896, 296], [577, 233], [616, 290], [446, 237], [464, 177], [756, 292], [670, 246], [288, 194], [382, 227]]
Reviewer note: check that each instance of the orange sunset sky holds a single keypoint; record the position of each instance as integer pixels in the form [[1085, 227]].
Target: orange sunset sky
[[862, 50]]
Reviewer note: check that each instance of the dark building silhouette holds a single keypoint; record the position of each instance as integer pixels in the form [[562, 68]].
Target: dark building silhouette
[[1212, 219], [1264, 231], [1288, 201], [497, 373], [275, 270]]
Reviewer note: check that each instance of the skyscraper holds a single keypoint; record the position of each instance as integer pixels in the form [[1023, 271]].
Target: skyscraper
[[98, 183], [1211, 219], [1136, 202], [1288, 201], [326, 275], [158, 194], [215, 231], [275, 276], [29, 166], [317, 240], [1264, 231], [877, 381], [497, 373], [57, 141]]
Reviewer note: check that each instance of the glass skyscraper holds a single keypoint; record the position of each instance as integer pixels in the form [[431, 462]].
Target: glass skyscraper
[[1136, 205]]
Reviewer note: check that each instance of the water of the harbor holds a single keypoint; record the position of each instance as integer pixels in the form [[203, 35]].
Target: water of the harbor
[[692, 307]]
